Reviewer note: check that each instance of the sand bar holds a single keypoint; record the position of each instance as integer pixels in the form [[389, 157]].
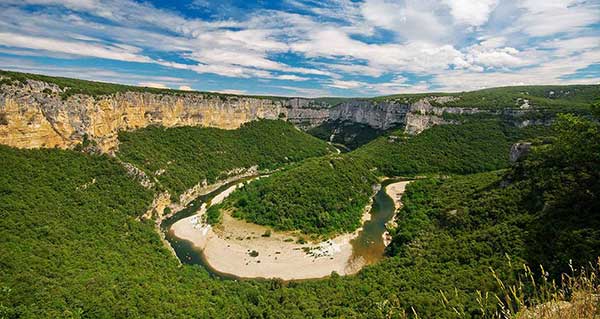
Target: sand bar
[[232, 247], [395, 191]]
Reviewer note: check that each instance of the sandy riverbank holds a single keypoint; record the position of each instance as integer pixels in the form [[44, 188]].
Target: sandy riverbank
[[231, 248], [395, 192]]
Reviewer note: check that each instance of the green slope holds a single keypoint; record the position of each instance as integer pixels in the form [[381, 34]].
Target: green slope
[[77, 251], [189, 155], [81, 253], [477, 145], [325, 196], [321, 196]]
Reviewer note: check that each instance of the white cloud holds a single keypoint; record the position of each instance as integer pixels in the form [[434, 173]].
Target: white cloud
[[153, 85], [290, 77], [410, 19], [521, 41], [86, 73], [305, 92], [345, 84], [545, 18], [550, 72], [487, 56], [471, 12], [566, 47], [128, 53], [185, 88], [233, 91]]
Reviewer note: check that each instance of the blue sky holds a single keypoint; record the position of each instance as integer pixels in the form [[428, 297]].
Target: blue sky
[[306, 47]]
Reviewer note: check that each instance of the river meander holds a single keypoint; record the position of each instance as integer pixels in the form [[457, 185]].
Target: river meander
[[367, 247]]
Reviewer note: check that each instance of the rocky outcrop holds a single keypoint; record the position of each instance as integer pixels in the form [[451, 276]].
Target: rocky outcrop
[[423, 115], [305, 113], [34, 114], [163, 200], [137, 174], [519, 150], [380, 115]]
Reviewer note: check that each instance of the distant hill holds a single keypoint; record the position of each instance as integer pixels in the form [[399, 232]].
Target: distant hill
[[501, 97]]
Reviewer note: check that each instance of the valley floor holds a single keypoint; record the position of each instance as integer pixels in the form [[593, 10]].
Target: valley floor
[[239, 249]]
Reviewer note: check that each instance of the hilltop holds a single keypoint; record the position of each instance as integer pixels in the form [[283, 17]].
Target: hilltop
[[43, 111]]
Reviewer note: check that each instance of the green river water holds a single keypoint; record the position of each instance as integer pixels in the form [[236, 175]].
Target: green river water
[[368, 244]]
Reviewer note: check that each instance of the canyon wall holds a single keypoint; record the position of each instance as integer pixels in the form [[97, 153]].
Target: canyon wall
[[34, 114]]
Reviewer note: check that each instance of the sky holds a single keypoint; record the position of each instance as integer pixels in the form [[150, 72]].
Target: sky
[[306, 47]]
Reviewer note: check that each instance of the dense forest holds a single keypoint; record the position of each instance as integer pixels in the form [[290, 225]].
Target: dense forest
[[321, 196], [351, 135], [72, 246], [326, 196], [476, 145], [181, 157]]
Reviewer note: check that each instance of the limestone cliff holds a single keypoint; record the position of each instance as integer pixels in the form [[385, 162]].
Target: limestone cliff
[[34, 113], [423, 115]]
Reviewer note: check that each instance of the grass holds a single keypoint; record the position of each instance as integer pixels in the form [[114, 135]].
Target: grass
[[577, 296], [534, 296], [94, 88]]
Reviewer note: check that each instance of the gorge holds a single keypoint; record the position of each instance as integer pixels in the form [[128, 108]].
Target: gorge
[[35, 113], [113, 200]]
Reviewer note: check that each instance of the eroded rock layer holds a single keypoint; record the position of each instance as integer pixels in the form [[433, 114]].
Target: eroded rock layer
[[34, 114]]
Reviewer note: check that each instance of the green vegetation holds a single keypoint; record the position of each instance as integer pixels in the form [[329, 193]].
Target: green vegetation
[[72, 247], [543, 211], [189, 155], [352, 135], [566, 97], [562, 97], [93, 88], [477, 145], [318, 196]]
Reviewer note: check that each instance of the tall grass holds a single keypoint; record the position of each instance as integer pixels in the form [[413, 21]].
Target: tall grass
[[529, 294]]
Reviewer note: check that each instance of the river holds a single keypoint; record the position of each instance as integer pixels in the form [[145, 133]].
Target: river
[[368, 245]]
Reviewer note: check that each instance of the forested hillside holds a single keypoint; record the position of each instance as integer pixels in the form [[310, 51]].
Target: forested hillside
[[560, 97], [476, 145], [327, 196], [351, 135], [72, 246], [189, 155], [321, 196]]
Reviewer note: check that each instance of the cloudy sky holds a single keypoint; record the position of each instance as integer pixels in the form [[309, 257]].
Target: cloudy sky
[[306, 47]]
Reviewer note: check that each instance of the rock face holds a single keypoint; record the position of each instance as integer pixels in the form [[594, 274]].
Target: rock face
[[519, 150], [422, 115], [34, 115], [380, 115]]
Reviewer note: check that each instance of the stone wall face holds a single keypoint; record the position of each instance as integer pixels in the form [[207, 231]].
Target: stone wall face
[[34, 115]]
